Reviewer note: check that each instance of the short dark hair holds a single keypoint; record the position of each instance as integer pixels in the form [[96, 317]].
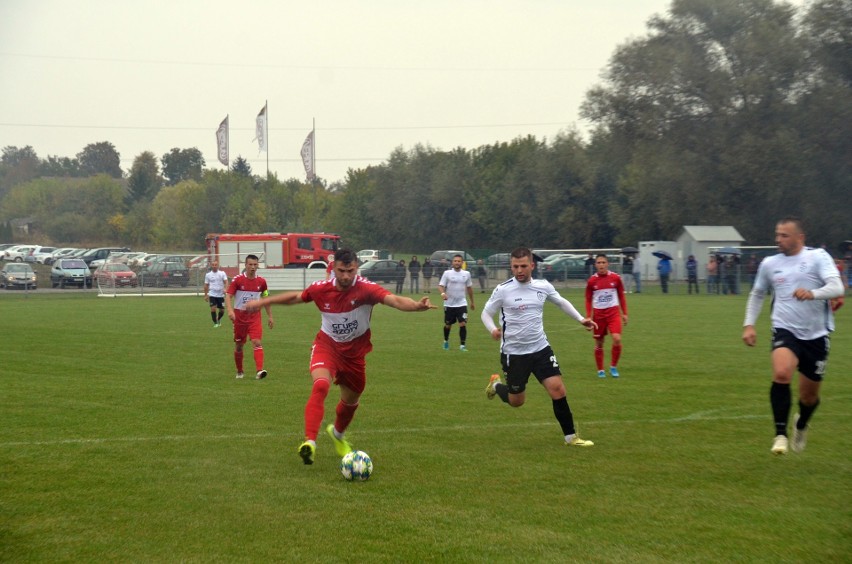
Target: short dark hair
[[602, 255], [346, 256], [797, 221], [522, 252], [248, 257]]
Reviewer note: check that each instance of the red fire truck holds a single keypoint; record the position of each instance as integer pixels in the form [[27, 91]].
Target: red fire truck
[[275, 250]]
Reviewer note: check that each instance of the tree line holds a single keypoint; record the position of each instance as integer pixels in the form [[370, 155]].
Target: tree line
[[727, 112]]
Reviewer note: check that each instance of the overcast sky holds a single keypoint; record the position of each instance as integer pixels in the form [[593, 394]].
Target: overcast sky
[[375, 74]]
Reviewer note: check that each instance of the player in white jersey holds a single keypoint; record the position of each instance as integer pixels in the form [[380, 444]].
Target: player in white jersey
[[455, 284], [524, 348], [802, 281], [214, 292]]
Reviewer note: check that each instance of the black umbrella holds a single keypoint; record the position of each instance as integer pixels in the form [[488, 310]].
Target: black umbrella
[[662, 254], [629, 250]]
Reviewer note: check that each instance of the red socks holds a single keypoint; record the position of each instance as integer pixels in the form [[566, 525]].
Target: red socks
[[616, 354], [315, 408], [345, 413], [258, 358]]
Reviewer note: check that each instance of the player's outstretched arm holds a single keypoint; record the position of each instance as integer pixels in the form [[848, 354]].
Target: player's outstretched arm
[[407, 304], [287, 298]]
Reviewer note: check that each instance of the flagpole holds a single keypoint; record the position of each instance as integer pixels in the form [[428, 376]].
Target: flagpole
[[314, 170], [266, 105]]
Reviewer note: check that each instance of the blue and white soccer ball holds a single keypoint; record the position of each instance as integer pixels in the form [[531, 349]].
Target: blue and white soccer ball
[[356, 466]]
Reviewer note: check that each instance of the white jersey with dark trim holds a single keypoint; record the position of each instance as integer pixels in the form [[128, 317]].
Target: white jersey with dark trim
[[521, 308], [455, 285], [809, 269], [216, 282]]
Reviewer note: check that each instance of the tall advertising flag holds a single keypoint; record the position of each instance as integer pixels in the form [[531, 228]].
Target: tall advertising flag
[[260, 129], [308, 155], [222, 141]]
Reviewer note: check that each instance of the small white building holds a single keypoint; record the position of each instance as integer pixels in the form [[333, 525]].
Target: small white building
[[697, 240]]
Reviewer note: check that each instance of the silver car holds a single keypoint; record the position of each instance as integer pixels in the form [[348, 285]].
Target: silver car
[[18, 275], [70, 272]]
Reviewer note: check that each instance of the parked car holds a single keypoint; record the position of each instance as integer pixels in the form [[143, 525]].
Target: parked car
[[199, 262], [101, 253], [140, 262], [563, 267], [130, 258], [499, 260], [18, 275], [113, 258], [41, 253], [70, 272], [4, 246], [165, 273], [63, 252], [373, 254], [115, 275], [17, 253], [438, 256], [379, 270], [164, 258]]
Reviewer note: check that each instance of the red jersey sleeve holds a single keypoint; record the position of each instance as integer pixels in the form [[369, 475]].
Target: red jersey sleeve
[[589, 291], [620, 289]]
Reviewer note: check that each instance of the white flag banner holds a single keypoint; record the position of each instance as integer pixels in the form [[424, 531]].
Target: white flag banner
[[222, 141], [260, 129], [308, 155]]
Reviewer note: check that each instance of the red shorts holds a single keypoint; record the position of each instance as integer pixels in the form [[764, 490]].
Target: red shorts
[[608, 320], [347, 371], [251, 328]]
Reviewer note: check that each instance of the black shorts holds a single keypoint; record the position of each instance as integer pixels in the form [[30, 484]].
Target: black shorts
[[518, 367], [453, 314], [812, 355], [216, 302]]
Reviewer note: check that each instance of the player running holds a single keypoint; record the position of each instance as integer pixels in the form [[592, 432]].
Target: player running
[[802, 281], [339, 351], [604, 297], [524, 348], [244, 288]]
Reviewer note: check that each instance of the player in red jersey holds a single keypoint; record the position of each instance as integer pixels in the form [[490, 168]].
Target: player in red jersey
[[604, 297], [339, 349], [244, 288]]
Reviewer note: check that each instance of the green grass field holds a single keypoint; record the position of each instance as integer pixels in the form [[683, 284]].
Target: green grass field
[[125, 437]]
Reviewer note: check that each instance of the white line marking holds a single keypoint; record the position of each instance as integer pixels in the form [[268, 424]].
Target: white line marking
[[698, 416]]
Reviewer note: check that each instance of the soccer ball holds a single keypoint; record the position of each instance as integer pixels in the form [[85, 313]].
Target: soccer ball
[[356, 466]]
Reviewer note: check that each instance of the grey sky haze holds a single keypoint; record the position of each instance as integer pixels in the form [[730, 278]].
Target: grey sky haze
[[375, 74]]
